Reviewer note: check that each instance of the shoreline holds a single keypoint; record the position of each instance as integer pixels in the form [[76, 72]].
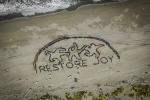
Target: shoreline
[[15, 16]]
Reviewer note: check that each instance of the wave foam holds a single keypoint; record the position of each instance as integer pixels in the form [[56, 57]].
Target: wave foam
[[32, 7]]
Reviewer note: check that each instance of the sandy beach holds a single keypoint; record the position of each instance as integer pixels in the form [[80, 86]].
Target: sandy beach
[[124, 26]]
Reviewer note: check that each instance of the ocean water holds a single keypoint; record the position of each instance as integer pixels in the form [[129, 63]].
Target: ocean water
[[32, 7]]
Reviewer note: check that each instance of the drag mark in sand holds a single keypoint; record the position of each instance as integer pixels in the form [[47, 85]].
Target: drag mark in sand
[[74, 52]]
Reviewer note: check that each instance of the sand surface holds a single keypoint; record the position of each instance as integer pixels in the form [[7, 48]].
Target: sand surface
[[126, 26]]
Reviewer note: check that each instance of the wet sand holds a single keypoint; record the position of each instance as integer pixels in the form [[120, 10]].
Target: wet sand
[[126, 26]]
